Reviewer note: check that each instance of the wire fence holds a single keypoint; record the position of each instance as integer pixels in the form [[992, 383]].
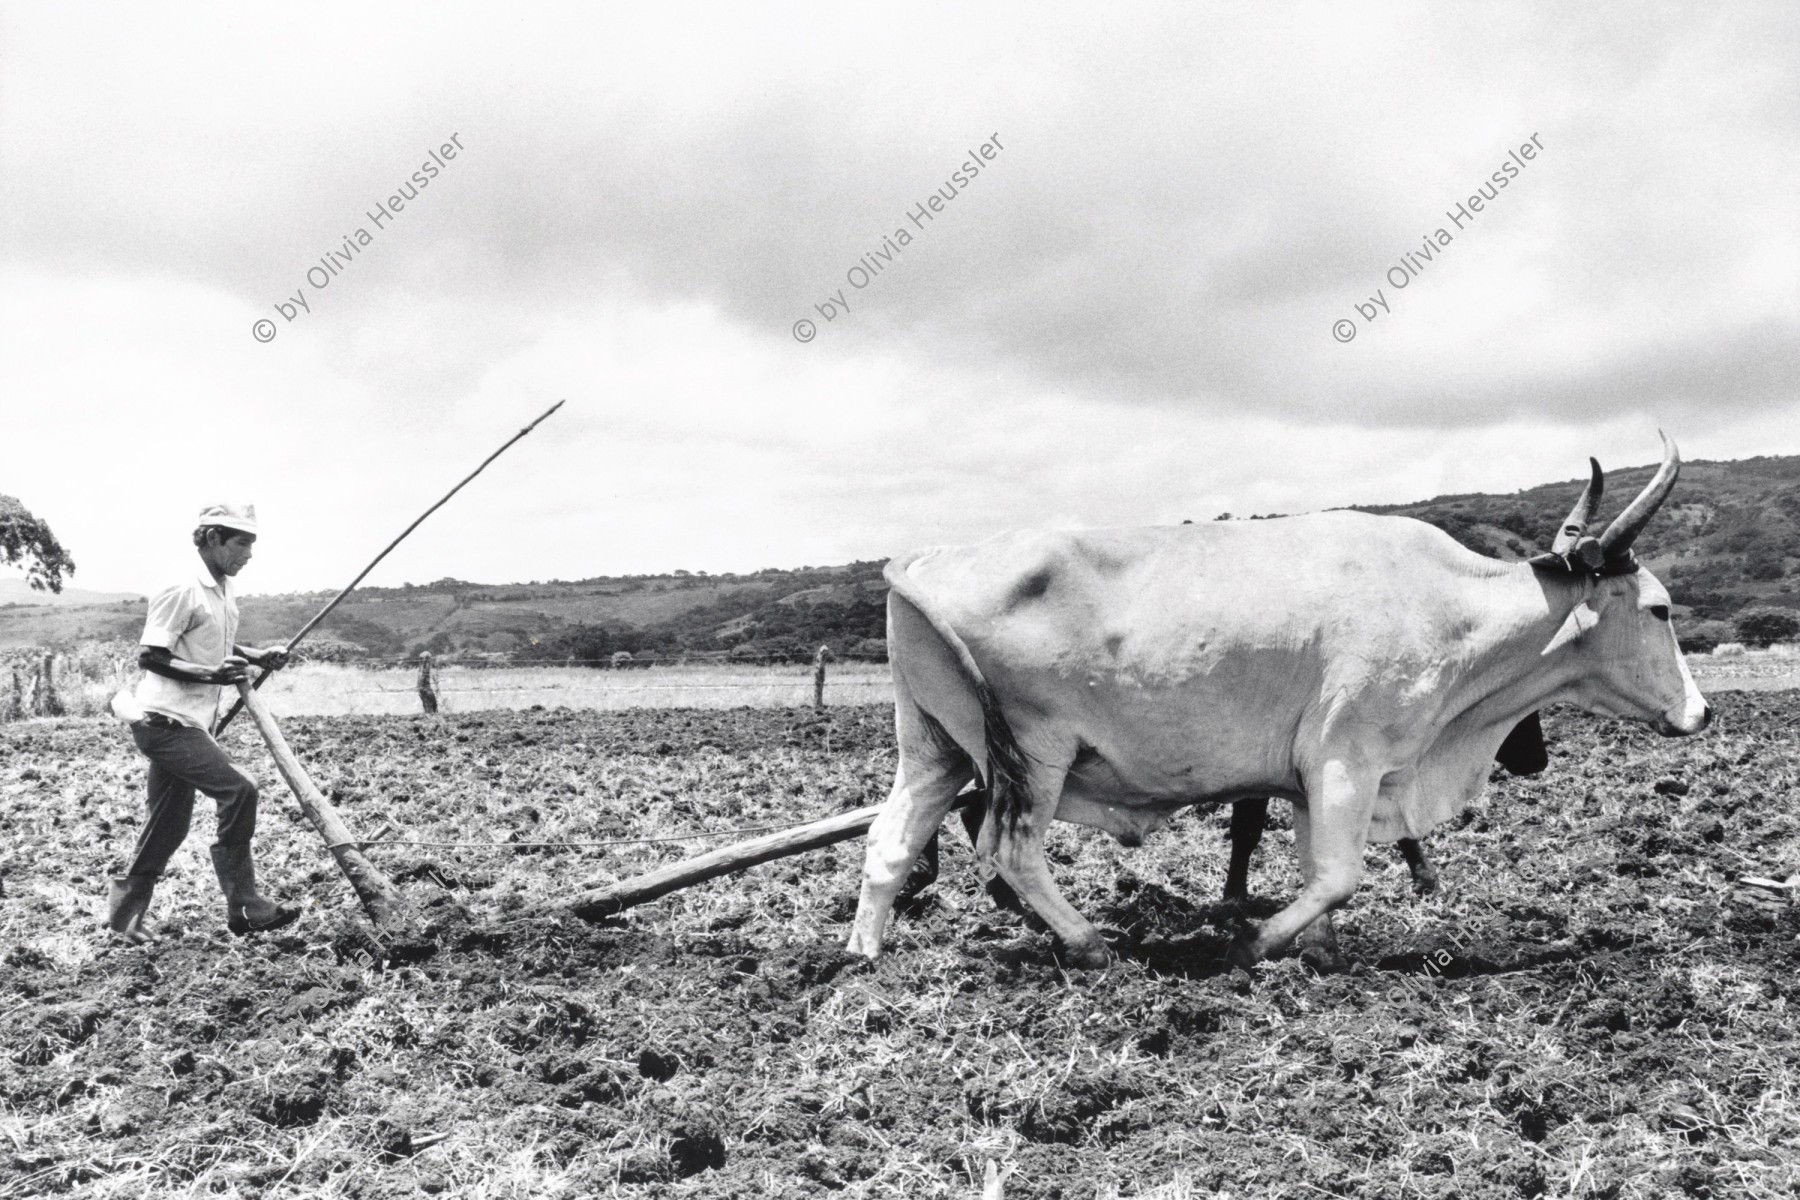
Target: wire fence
[[40, 683], [330, 690], [748, 685], [620, 660]]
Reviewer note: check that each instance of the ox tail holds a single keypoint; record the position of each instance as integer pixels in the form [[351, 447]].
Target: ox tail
[[1009, 797]]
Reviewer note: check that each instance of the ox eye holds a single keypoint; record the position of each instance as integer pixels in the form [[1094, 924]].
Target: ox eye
[[1660, 611]]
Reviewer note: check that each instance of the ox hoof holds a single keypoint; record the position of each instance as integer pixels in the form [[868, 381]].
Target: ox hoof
[[869, 948], [1092, 956], [1425, 881], [1243, 952], [1325, 960], [1004, 898], [922, 876]]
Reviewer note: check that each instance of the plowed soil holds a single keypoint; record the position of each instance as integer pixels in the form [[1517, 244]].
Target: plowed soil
[[1593, 1004]]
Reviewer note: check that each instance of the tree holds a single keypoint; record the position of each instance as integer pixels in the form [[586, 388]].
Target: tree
[[24, 538], [1699, 637], [1761, 626], [1763, 562]]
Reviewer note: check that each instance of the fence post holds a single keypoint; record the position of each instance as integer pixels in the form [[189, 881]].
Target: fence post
[[49, 704], [819, 661], [15, 704], [427, 694]]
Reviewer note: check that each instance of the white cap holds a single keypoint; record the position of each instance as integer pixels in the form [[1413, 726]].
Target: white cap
[[241, 517]]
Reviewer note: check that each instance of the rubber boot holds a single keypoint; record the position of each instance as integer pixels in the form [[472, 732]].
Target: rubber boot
[[127, 899], [246, 911]]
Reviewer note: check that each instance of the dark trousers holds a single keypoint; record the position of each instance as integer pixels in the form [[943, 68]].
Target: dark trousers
[[183, 761]]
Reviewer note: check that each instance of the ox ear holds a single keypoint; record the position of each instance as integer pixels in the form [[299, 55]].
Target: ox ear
[[1581, 619]]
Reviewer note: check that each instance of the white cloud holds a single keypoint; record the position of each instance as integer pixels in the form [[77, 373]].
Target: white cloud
[[1126, 317]]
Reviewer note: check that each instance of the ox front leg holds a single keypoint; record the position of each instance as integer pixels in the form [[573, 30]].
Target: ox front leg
[[1248, 820], [918, 803], [1329, 833], [1317, 943]]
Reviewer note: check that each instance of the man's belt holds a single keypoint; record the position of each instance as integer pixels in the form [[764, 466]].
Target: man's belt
[[157, 721]]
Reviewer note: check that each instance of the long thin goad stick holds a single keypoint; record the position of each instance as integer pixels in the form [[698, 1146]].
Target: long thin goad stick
[[338, 599]]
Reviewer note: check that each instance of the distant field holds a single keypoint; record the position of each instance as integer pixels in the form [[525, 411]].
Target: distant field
[[1772, 670], [325, 689]]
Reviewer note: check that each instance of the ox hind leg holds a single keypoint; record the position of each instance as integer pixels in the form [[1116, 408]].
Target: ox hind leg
[[1014, 835], [925, 871], [932, 771], [973, 817]]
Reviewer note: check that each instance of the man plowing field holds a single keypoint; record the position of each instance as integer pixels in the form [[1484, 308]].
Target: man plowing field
[[189, 653]]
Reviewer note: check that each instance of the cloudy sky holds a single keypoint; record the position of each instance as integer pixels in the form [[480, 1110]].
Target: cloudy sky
[[1132, 314]]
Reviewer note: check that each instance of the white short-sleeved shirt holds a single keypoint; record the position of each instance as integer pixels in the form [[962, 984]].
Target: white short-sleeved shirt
[[196, 620]]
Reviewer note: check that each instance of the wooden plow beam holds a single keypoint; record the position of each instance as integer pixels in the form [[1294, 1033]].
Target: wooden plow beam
[[598, 903], [380, 898]]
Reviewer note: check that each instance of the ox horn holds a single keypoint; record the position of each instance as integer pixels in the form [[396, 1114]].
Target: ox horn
[[1582, 515], [1617, 539]]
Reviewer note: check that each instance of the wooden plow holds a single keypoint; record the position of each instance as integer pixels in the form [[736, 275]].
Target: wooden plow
[[596, 903], [380, 898], [387, 908], [395, 926]]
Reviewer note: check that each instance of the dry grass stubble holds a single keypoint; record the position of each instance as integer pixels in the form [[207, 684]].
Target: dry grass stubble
[[1616, 1019]]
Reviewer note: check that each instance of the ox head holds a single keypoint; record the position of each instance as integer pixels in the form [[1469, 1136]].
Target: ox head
[[1618, 633]]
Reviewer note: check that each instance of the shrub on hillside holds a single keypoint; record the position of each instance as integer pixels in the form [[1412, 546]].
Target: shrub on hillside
[[1698, 637], [1762, 626], [329, 650], [374, 637], [1764, 563]]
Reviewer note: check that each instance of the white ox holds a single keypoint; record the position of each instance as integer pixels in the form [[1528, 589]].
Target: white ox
[[1367, 668]]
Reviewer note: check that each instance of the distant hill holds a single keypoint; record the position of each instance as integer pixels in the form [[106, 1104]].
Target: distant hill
[[769, 614], [1728, 539], [17, 591], [31, 618]]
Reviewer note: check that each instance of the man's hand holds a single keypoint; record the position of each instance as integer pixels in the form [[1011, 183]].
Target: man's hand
[[232, 670], [272, 659]]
